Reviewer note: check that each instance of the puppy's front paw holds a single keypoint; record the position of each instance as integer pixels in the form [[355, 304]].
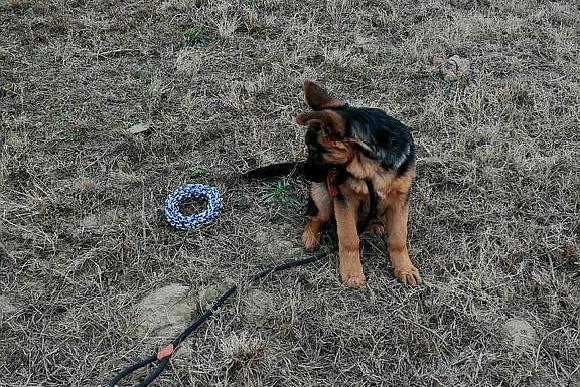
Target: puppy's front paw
[[311, 240], [354, 278], [409, 275]]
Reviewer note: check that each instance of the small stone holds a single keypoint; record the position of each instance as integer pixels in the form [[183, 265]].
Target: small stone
[[89, 221], [15, 142], [139, 128], [7, 307], [85, 184], [452, 68], [519, 334]]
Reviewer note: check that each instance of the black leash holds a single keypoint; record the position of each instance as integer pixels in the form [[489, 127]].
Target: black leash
[[164, 355]]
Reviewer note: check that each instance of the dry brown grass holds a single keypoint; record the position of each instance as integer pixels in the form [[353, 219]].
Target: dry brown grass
[[494, 222]]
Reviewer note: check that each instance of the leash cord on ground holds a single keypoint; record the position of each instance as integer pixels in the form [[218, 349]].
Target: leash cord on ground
[[163, 356]]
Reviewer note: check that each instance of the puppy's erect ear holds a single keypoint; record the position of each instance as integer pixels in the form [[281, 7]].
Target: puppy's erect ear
[[318, 98], [327, 120]]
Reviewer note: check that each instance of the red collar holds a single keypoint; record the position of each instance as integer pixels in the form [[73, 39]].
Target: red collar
[[330, 178]]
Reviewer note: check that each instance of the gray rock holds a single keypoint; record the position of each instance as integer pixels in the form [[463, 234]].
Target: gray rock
[[7, 307], [89, 221], [139, 127], [519, 334], [165, 311], [452, 68]]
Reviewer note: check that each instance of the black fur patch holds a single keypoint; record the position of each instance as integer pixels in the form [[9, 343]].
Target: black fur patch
[[315, 172], [409, 162], [386, 138], [275, 170], [311, 209]]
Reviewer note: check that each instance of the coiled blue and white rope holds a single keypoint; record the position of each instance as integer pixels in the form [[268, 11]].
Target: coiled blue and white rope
[[182, 222]]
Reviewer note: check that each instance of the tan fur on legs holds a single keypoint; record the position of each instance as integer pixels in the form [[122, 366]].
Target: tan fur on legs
[[396, 220], [350, 268], [323, 202]]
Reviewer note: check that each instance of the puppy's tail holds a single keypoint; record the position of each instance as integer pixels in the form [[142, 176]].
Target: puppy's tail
[[274, 170]]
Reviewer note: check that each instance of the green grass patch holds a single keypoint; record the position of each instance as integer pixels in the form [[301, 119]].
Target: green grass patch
[[194, 36], [198, 172], [279, 192]]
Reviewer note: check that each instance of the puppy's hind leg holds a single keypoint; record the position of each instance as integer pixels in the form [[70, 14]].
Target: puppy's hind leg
[[319, 212]]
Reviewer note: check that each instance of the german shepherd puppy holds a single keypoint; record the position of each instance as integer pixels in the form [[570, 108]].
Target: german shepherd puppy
[[349, 148]]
